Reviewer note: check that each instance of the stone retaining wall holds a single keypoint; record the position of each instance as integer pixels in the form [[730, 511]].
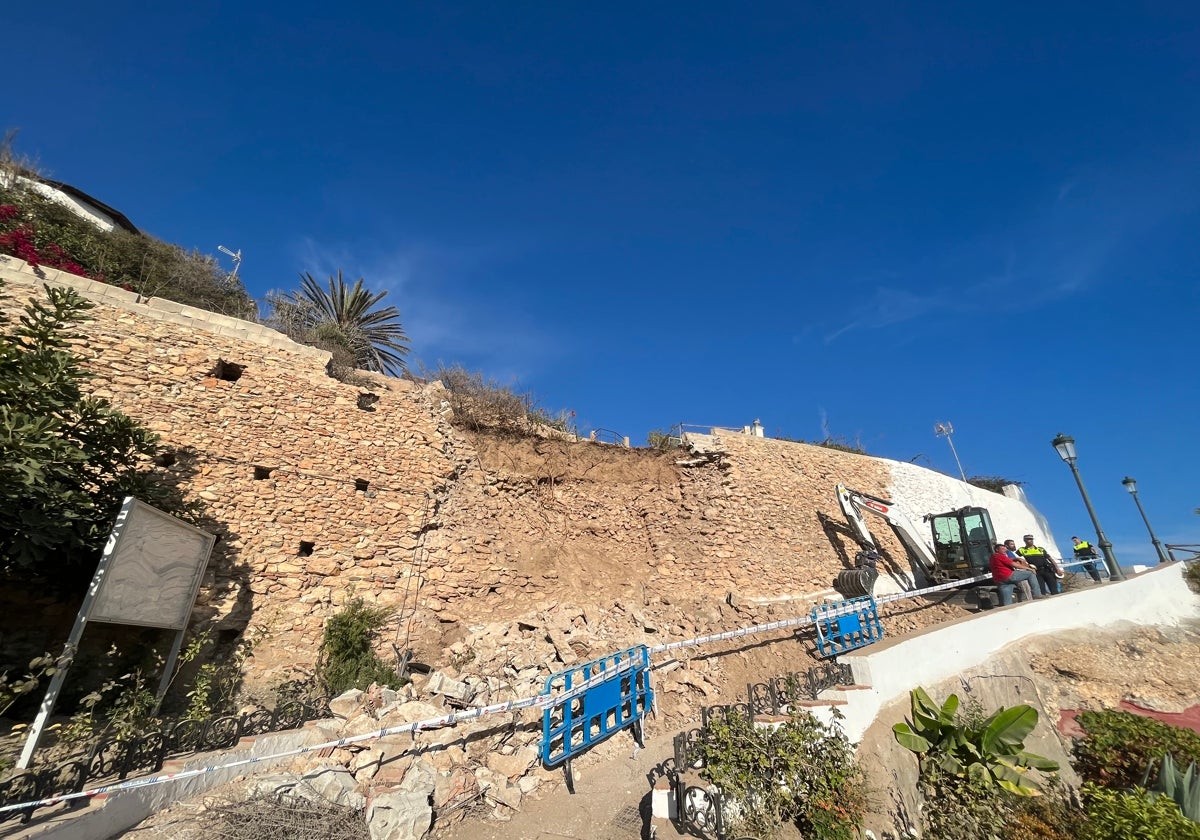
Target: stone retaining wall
[[321, 491]]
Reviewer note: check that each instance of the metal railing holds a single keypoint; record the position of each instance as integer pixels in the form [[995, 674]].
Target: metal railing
[[118, 757], [700, 808], [1192, 549]]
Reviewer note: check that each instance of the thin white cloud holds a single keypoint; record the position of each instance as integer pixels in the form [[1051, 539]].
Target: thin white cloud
[[1059, 252], [890, 305]]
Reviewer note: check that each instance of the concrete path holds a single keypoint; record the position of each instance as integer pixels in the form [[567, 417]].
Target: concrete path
[[611, 800]]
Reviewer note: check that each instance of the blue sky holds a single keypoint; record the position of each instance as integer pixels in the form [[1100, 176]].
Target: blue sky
[[863, 220]]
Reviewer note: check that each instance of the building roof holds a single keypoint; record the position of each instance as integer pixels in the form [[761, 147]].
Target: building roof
[[119, 218]]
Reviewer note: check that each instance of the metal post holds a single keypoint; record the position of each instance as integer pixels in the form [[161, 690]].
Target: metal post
[[165, 682], [946, 430], [72, 645], [1162, 557], [1110, 559], [950, 440]]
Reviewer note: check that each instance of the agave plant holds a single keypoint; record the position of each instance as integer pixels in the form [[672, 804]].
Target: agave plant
[[1182, 786], [992, 752]]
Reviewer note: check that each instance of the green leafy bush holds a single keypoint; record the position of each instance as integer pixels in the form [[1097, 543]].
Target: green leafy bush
[[801, 770], [1124, 815], [67, 460], [146, 265], [665, 440], [348, 659], [1049, 817], [1120, 745], [989, 752]]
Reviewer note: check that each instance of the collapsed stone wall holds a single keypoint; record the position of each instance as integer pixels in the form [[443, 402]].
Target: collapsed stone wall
[[321, 491]]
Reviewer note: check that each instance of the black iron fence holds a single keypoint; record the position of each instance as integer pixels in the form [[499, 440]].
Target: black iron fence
[[146, 753], [700, 807], [777, 694]]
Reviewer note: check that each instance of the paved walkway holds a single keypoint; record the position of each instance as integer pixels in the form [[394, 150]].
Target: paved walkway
[[611, 800]]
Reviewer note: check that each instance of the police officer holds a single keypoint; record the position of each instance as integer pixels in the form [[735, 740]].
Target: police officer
[[1086, 551], [1048, 574]]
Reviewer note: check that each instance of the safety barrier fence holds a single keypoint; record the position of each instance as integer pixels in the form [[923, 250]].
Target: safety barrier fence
[[22, 794]]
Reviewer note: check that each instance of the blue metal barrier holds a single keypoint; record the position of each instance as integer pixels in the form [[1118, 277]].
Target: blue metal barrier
[[846, 625], [608, 694]]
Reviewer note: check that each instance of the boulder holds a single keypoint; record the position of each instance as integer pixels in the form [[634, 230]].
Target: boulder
[[497, 789], [347, 704], [421, 778], [441, 684], [512, 766], [330, 784], [399, 815]]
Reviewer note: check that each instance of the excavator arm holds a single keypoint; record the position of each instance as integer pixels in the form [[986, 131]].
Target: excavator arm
[[854, 503]]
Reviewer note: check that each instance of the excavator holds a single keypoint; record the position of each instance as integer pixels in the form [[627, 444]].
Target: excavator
[[961, 545]]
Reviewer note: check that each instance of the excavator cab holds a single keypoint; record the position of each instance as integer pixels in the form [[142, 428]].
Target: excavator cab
[[963, 541]]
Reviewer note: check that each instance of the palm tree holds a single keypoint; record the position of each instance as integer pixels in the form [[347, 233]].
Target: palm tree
[[341, 318]]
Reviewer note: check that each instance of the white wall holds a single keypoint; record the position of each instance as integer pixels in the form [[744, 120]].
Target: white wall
[[892, 667], [918, 491]]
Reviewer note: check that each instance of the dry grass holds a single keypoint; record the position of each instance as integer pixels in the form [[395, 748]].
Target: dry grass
[[285, 818]]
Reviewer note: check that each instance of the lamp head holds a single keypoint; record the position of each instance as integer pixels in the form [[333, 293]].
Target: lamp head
[[1130, 485], [1065, 444]]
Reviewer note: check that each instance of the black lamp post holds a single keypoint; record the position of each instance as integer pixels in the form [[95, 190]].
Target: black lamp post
[[1131, 486], [1065, 445]]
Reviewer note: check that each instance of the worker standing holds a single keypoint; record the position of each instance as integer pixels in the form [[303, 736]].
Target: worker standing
[[1048, 574], [1084, 550]]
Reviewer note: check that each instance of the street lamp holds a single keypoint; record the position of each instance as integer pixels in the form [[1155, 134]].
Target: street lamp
[[1065, 445], [1131, 486]]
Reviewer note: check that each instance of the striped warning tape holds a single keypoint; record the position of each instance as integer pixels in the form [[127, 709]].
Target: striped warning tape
[[540, 701]]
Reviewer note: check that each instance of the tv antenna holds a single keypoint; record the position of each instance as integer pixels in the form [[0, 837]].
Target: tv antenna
[[237, 258], [946, 430]]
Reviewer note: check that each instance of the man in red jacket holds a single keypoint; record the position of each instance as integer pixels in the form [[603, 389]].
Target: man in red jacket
[[1007, 573]]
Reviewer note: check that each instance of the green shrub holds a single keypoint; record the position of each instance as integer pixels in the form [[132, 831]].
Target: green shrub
[[348, 659], [1191, 573], [136, 261], [994, 483], [990, 750], [974, 769], [1050, 817], [480, 403], [1124, 815], [67, 460], [665, 440], [801, 770], [958, 807], [1120, 745]]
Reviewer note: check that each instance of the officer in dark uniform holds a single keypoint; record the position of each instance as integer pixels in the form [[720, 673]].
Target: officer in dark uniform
[[1086, 551], [1041, 560]]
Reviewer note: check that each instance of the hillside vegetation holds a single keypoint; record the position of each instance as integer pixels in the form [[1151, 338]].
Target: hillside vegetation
[[47, 234]]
